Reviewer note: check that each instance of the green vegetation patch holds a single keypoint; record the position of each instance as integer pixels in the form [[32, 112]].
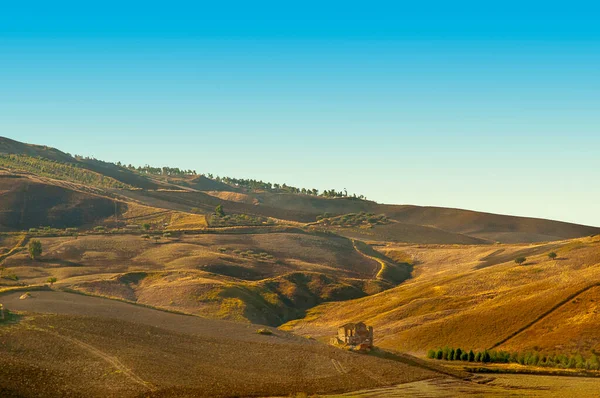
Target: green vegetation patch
[[61, 171], [530, 358], [351, 220]]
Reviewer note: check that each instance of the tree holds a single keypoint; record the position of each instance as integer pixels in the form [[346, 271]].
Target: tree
[[471, 356], [35, 249], [146, 226], [457, 354], [552, 255], [439, 354], [486, 356], [520, 260], [219, 211], [51, 280]]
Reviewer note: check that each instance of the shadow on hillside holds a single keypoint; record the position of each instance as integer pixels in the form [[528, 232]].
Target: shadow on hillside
[[64, 263], [421, 363]]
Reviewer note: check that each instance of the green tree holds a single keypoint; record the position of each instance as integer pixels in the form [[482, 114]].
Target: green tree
[[51, 280], [457, 354], [471, 356], [219, 211], [464, 356], [552, 255], [485, 357], [520, 260], [439, 354], [477, 357], [35, 249], [431, 354], [146, 226]]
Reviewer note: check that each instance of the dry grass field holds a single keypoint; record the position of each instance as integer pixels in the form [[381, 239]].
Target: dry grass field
[[149, 239], [478, 297], [264, 278], [73, 345], [504, 385]]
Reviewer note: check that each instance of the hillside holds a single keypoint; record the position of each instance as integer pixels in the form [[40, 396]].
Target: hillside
[[87, 346], [184, 191], [478, 297], [267, 278]]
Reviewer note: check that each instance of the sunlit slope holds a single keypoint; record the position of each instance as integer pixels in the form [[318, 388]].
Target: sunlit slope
[[96, 348], [264, 278], [478, 297], [492, 227], [192, 193]]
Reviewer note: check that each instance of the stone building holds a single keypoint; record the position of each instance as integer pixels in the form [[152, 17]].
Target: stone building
[[355, 334]]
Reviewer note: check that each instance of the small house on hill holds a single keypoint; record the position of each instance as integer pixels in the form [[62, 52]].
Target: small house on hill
[[355, 334]]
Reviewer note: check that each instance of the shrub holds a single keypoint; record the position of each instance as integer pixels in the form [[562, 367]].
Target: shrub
[[471, 356], [35, 249], [439, 354], [520, 260], [457, 354]]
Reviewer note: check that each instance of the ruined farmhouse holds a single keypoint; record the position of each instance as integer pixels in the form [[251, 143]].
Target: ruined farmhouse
[[355, 334]]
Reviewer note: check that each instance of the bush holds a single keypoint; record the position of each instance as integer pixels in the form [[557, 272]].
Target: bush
[[35, 249], [264, 331], [520, 260], [457, 354]]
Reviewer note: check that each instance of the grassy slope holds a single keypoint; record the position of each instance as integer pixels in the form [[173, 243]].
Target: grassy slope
[[476, 296], [266, 278], [126, 351], [28, 203], [414, 223]]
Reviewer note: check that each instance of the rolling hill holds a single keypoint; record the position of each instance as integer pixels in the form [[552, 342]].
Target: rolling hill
[[173, 189], [65, 344], [477, 297]]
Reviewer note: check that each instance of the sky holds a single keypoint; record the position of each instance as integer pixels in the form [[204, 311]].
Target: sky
[[491, 106]]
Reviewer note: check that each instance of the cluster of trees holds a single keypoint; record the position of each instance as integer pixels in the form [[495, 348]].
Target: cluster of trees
[[353, 219], [532, 358], [164, 171], [283, 188], [220, 219], [59, 170]]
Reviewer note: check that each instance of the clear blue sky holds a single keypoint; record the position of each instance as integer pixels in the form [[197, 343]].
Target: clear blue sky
[[483, 105]]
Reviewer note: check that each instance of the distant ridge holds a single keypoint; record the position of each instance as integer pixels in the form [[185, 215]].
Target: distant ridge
[[188, 192]]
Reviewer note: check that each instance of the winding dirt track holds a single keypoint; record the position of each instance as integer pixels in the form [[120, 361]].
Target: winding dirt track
[[377, 274]]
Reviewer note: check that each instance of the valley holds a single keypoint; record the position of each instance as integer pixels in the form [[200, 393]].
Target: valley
[[186, 268]]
